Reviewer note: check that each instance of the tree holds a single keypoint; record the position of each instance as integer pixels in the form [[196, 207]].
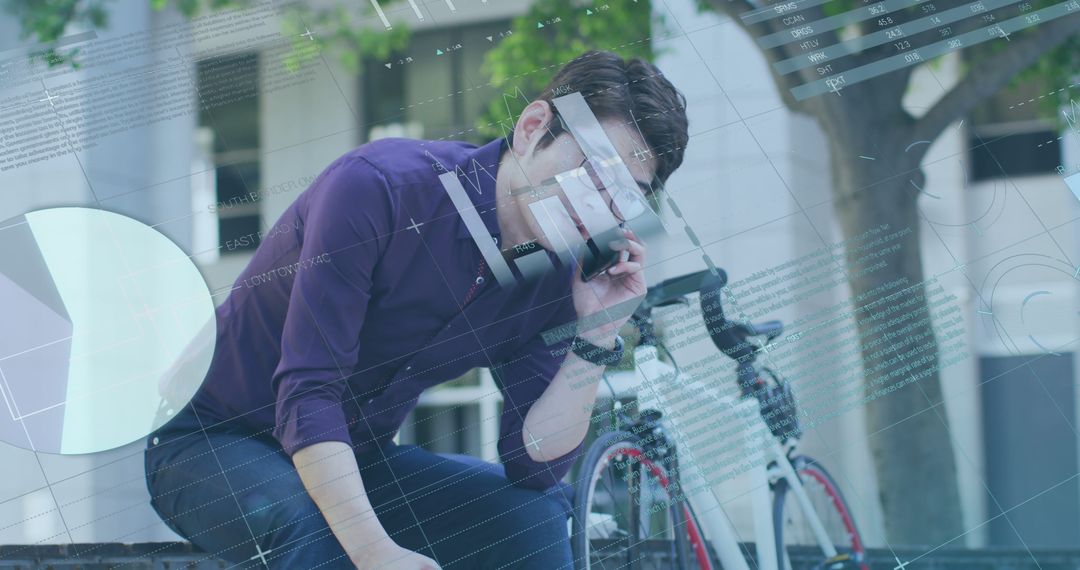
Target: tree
[[915, 466], [524, 60]]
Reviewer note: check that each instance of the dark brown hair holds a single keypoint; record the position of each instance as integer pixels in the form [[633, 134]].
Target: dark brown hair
[[634, 91]]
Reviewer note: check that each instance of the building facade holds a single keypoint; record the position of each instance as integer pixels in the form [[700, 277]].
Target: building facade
[[754, 187]]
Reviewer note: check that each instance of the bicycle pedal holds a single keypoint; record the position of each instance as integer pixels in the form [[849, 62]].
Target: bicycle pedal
[[842, 561]]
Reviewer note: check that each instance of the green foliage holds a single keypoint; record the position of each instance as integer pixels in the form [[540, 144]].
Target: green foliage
[[336, 28], [45, 20], [520, 64], [1057, 68], [523, 62], [193, 8], [837, 7], [341, 32]]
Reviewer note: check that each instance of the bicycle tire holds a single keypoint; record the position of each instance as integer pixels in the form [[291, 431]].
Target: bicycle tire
[[600, 457], [697, 544], [831, 508]]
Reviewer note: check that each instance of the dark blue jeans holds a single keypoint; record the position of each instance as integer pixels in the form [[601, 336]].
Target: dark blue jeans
[[238, 496]]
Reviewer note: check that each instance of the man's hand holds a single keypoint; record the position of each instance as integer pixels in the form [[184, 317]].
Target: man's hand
[[386, 555], [623, 282]]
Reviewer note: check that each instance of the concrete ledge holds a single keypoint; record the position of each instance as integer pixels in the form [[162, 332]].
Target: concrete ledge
[[141, 556], [655, 555]]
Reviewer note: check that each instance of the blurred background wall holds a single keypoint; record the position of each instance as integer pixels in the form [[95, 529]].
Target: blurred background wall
[[755, 186]]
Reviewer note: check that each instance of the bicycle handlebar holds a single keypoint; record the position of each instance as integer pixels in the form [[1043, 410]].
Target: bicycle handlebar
[[674, 290], [728, 336], [732, 338]]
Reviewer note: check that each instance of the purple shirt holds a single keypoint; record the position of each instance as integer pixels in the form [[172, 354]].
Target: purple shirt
[[351, 307]]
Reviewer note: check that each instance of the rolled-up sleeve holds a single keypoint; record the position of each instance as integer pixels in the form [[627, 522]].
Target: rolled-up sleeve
[[347, 220], [522, 380]]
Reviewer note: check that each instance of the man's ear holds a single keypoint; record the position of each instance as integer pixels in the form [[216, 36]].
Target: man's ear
[[532, 125]]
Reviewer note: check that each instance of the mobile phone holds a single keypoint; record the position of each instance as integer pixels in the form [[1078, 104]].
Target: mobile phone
[[599, 256]]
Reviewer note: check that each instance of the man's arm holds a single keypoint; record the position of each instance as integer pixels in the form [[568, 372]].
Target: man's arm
[[523, 380], [548, 392], [332, 478], [557, 422], [349, 216]]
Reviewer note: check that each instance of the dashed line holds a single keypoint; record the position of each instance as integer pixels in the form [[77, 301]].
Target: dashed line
[[1033, 99], [1049, 142]]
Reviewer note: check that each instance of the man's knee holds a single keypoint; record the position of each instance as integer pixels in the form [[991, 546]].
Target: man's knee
[[292, 530], [276, 513], [527, 514]]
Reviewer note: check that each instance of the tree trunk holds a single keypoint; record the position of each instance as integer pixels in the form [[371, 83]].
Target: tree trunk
[[909, 440]]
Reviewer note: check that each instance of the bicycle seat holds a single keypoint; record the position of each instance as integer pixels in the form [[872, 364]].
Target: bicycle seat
[[768, 329]]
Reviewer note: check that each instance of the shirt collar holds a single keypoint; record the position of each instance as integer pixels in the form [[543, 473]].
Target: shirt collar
[[477, 172]]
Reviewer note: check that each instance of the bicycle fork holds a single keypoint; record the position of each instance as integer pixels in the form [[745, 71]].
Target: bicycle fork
[[805, 506]]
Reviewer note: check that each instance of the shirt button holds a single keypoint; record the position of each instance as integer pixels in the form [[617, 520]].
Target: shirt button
[[479, 280], [408, 368], [156, 441]]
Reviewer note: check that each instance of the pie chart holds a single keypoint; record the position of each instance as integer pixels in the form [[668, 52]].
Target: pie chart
[[108, 330]]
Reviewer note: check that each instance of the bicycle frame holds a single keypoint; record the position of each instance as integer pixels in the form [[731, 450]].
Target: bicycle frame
[[670, 391]]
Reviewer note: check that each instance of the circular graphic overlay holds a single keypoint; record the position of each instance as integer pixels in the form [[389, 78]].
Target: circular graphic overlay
[[1031, 324], [108, 330]]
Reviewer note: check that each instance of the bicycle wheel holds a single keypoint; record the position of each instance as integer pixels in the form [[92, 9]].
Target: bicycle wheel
[[795, 539], [621, 499]]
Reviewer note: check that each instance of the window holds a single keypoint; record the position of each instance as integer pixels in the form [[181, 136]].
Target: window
[[446, 428], [411, 97], [1009, 139], [460, 416], [228, 90]]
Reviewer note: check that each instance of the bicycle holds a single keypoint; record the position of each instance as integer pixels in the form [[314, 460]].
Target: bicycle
[[630, 487]]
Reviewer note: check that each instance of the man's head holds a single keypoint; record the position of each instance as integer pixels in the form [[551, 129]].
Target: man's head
[[632, 92], [642, 114]]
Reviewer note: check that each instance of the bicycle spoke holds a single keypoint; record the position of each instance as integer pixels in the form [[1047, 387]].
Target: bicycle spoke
[[627, 507]]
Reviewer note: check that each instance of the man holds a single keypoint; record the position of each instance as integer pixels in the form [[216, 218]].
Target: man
[[285, 457]]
